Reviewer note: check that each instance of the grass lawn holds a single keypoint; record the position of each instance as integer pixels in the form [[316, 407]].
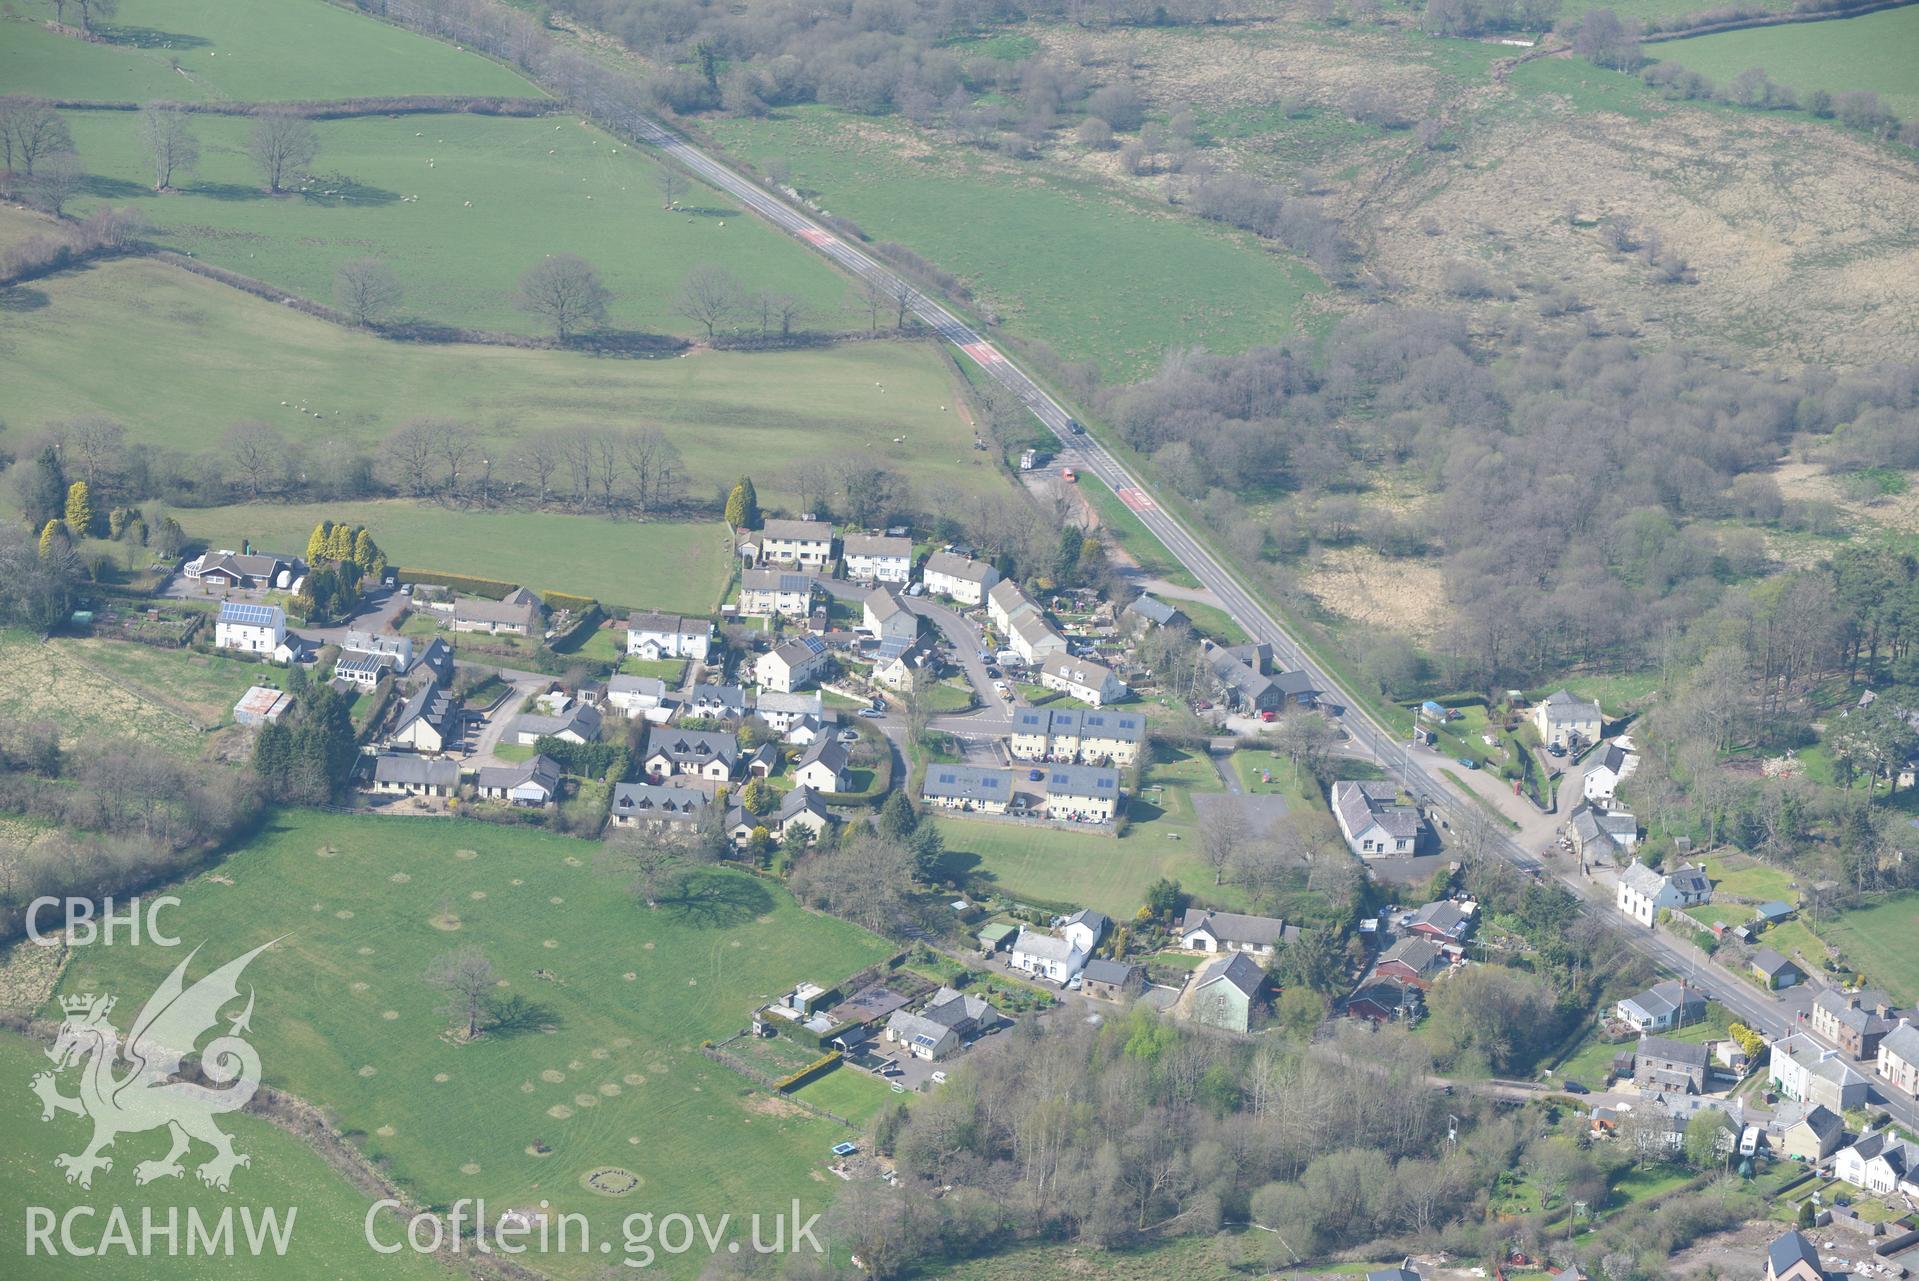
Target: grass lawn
[[657, 565], [1040, 254], [670, 670], [949, 696], [363, 905], [1210, 620], [1637, 1185], [327, 1240], [192, 357], [460, 207], [1592, 1060], [1748, 877], [1883, 941], [249, 50], [1139, 542], [847, 1092], [1870, 52], [1794, 939]]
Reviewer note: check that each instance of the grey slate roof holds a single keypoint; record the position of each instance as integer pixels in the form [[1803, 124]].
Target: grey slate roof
[[1235, 927], [775, 580], [1152, 609], [640, 800], [1082, 780], [827, 752], [968, 783], [1238, 969], [542, 769], [1902, 1043], [1792, 1249], [1045, 946], [816, 531], [404, 769], [1114, 972], [1363, 804], [1563, 705], [1770, 963], [972, 571], [1660, 1047]]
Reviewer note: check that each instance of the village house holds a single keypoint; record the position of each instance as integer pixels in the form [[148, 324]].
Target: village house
[[1880, 1162], [435, 662], [957, 578], [1792, 1258], [658, 805], [405, 775], [898, 664], [807, 543], [363, 671], [261, 705], [1104, 980], [366, 658], [1673, 1003], [249, 629], [709, 754], [791, 664], [635, 695], [651, 636], [1083, 679], [1663, 1064], [1242, 674], [823, 767], [712, 702], [1644, 893], [1444, 921], [1082, 793], [1375, 819], [1598, 833], [883, 616], [1074, 734], [244, 570], [430, 721], [534, 783], [578, 722], [1854, 1021], [969, 1017], [1610, 768], [1414, 959], [1898, 1062], [1203, 930], [1813, 1135], [985, 789], [515, 614], [920, 1036], [1774, 971], [295, 648], [1032, 639], [1046, 957], [799, 808], [783, 710], [1568, 721], [1225, 993], [767, 592], [1384, 999], [1807, 1072], [1147, 610], [877, 558], [1084, 929], [1005, 602]]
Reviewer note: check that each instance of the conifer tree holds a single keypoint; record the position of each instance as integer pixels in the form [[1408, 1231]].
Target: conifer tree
[[79, 509]]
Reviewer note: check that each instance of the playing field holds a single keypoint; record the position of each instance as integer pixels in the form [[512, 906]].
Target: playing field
[[1870, 52], [460, 206], [668, 565], [1065, 260], [284, 1175], [1883, 942], [191, 357], [245, 50], [605, 1071]]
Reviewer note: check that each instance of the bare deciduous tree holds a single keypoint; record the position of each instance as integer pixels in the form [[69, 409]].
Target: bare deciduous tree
[[565, 291], [92, 11], [456, 447], [411, 449], [29, 131], [281, 145], [257, 455], [467, 978], [648, 858], [708, 297], [788, 309], [56, 181], [168, 137], [539, 458], [94, 441], [1222, 832], [366, 289]]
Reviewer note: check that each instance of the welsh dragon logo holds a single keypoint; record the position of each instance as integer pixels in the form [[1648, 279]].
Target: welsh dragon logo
[[148, 1095]]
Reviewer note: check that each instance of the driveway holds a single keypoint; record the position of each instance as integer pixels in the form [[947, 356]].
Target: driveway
[[965, 639]]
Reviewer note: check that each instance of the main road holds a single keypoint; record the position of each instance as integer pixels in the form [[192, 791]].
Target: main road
[[1761, 1010]]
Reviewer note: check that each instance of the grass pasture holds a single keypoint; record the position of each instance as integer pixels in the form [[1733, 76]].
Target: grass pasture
[[604, 1069], [1883, 941], [460, 206], [1873, 52], [245, 50], [192, 357], [284, 1173]]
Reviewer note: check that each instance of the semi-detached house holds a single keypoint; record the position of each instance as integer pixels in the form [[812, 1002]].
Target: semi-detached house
[[877, 558], [958, 578], [1644, 891], [807, 543]]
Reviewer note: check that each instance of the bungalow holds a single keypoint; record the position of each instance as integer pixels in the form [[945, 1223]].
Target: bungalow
[[429, 721], [515, 614], [1384, 999], [920, 1036], [792, 664], [1147, 610], [398, 774], [767, 592], [716, 703], [534, 783], [1598, 833], [635, 695], [985, 789], [1854, 1021], [1611, 768], [1225, 992], [1569, 721], [261, 705], [1005, 602], [243, 569], [1813, 1135], [1673, 1003], [1045, 956], [1085, 928], [1774, 971], [968, 1017], [1663, 1064], [652, 636], [957, 578], [579, 723], [1413, 960], [365, 658], [1031, 638], [782, 711], [877, 558], [1898, 1062], [1111, 980], [658, 805], [823, 767], [1793, 1258], [1072, 734], [249, 629], [1446, 921], [1204, 930], [883, 616], [705, 754], [1082, 793], [1808, 1072], [1882, 1163], [1375, 819], [1643, 892], [1080, 678], [796, 542], [361, 670]]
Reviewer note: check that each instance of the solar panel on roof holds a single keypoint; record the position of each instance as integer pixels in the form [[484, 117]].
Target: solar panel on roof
[[248, 615]]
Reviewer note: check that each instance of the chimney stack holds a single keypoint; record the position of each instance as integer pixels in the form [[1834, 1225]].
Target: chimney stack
[[1852, 1000]]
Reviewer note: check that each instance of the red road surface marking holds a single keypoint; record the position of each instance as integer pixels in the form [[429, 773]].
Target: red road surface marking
[[984, 353], [1137, 499], [814, 236]]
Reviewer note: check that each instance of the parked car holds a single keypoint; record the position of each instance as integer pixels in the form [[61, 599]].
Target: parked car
[[1468, 762], [1573, 1087], [1269, 716], [938, 1078], [849, 736], [873, 712]]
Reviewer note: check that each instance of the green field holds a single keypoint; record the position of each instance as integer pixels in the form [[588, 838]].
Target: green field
[[1097, 275], [285, 1173], [1883, 941], [1871, 52], [847, 1092], [246, 50], [192, 357], [460, 207], [1748, 877], [607, 1071], [667, 565]]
